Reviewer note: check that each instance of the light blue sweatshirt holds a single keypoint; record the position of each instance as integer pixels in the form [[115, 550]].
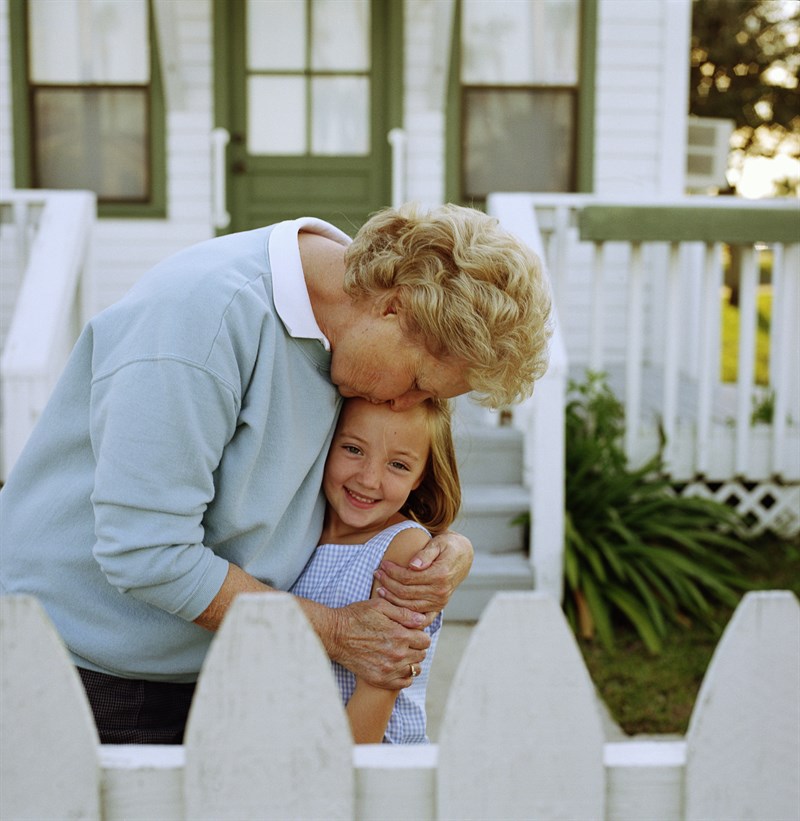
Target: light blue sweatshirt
[[188, 430]]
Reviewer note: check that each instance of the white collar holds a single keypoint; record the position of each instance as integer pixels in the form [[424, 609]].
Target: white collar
[[289, 290]]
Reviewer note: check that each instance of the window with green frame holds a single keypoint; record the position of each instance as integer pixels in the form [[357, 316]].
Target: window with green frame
[[523, 72], [88, 102]]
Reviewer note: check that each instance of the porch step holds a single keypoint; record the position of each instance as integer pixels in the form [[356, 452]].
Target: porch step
[[490, 573], [490, 464], [486, 515], [488, 455]]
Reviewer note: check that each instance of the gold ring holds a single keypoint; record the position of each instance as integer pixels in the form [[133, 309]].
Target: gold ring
[[415, 670]]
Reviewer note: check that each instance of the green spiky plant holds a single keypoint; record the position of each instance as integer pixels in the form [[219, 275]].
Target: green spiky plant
[[635, 550]]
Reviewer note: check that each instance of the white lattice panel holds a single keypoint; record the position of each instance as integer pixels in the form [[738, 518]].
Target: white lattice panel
[[767, 506]]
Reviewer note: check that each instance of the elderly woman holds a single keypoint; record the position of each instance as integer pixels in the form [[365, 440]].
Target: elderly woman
[[179, 460]]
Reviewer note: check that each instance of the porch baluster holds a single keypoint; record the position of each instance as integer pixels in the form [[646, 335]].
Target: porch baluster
[[596, 354], [559, 270], [671, 350], [746, 356], [782, 352], [22, 228], [633, 375], [709, 352]]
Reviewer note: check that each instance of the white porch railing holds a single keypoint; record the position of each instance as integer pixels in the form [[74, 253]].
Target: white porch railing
[[398, 140], [521, 735], [541, 419], [45, 250], [638, 288]]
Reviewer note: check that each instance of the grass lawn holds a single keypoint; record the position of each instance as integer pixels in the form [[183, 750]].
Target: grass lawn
[[655, 694]]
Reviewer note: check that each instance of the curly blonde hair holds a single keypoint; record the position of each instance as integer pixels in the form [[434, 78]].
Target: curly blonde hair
[[468, 289]]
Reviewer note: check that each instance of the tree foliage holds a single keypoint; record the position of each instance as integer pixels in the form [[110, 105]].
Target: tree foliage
[[745, 64]]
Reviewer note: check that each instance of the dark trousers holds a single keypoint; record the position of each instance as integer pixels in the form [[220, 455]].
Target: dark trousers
[[130, 711]]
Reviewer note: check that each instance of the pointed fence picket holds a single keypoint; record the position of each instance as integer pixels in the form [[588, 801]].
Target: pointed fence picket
[[523, 698], [743, 742], [48, 743], [267, 736], [521, 736]]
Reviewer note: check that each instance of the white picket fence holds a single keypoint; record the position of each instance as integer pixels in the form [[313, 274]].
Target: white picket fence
[[521, 735]]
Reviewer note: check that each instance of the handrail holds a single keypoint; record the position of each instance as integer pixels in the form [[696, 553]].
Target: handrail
[[50, 281], [398, 140], [220, 218], [541, 418], [46, 315], [715, 220]]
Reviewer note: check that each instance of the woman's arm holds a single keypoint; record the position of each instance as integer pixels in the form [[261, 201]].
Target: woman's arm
[[374, 639], [370, 708], [426, 583]]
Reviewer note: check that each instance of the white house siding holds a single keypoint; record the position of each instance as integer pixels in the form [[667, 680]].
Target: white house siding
[[6, 143], [9, 270], [641, 77], [428, 27], [642, 55], [125, 249], [641, 97], [641, 82], [641, 87], [637, 119]]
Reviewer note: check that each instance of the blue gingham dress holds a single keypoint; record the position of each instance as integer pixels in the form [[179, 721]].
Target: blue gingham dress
[[339, 574]]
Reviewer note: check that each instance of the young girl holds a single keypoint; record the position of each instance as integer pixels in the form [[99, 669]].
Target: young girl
[[391, 481]]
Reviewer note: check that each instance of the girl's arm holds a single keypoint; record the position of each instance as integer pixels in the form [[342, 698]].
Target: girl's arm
[[427, 582], [370, 707]]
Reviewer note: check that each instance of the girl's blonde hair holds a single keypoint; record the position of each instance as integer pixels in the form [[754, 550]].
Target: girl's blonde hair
[[435, 503], [468, 289]]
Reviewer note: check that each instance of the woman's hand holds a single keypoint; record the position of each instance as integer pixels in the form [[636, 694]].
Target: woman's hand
[[374, 639], [431, 577]]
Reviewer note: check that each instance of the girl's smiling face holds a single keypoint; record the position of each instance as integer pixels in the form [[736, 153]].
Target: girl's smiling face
[[378, 456]]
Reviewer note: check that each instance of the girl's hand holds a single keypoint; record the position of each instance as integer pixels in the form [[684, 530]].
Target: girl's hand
[[431, 577]]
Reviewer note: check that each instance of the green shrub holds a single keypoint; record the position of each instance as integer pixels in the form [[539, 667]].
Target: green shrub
[[634, 549]]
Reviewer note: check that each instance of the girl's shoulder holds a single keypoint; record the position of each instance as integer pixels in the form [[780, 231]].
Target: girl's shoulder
[[403, 540], [405, 525]]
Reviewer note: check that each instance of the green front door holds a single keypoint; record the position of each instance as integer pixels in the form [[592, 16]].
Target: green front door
[[309, 90]]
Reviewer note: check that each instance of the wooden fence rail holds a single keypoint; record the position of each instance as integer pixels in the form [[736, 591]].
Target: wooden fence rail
[[521, 735]]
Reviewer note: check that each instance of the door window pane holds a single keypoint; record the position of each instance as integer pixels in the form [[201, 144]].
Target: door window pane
[[340, 35], [308, 88], [276, 35], [277, 115], [340, 115], [95, 139], [518, 140], [92, 41]]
